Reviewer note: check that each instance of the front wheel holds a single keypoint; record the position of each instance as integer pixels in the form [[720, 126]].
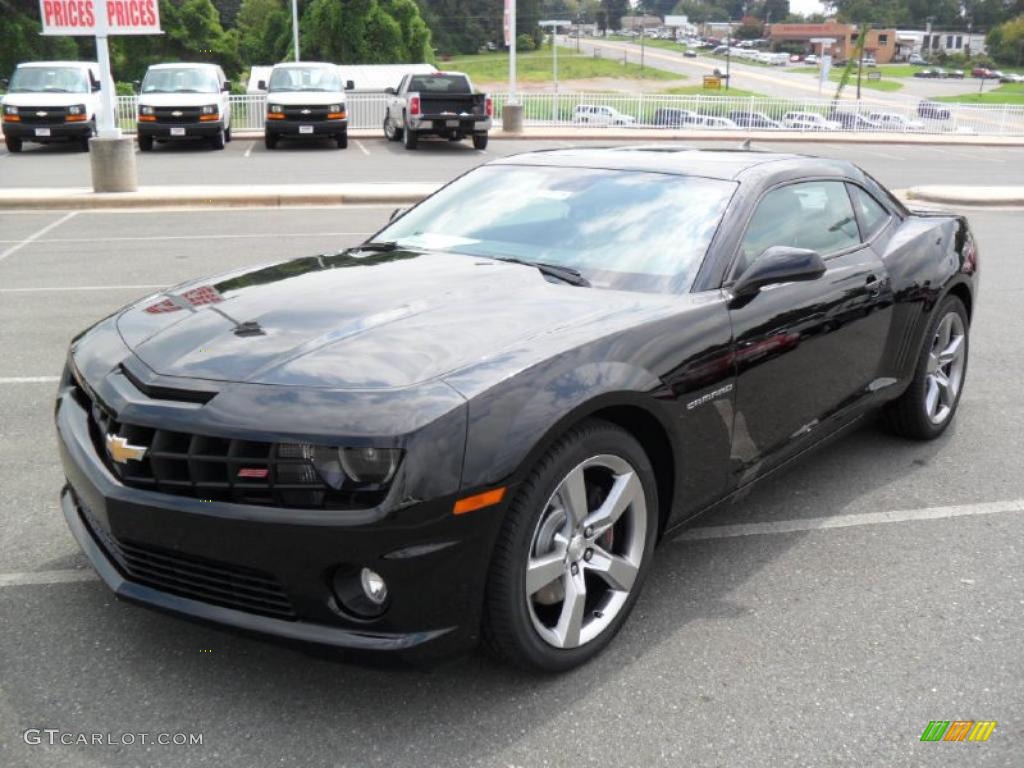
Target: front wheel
[[218, 140], [270, 140], [342, 139], [145, 143], [573, 552], [927, 407], [391, 132], [480, 141], [13, 144]]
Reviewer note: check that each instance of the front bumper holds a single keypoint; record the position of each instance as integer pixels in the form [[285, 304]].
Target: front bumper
[[435, 564], [58, 131], [295, 128], [192, 130]]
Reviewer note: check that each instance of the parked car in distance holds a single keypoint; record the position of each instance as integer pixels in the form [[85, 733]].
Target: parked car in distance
[[591, 114], [1011, 77], [869, 61], [754, 120], [931, 73], [916, 59], [51, 102], [893, 121], [811, 59], [690, 53], [441, 104], [933, 110], [809, 121], [674, 118], [984, 73], [479, 423], [306, 100], [715, 123], [183, 102], [855, 121]]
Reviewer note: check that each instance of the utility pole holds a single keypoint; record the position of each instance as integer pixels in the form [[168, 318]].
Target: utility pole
[[728, 52], [295, 27], [554, 24]]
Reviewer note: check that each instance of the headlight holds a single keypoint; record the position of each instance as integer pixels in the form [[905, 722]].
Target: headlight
[[10, 109], [370, 465], [334, 108], [275, 108], [77, 109], [144, 110], [344, 467], [210, 109]]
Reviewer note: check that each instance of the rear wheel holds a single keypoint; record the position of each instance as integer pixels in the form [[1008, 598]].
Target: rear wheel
[[270, 140], [927, 407], [480, 141], [409, 139], [145, 143], [13, 144], [574, 549]]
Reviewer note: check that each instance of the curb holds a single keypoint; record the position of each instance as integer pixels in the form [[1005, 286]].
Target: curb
[[224, 196], [1010, 197]]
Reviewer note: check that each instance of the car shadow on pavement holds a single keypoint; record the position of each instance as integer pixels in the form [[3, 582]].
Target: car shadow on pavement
[[121, 668]]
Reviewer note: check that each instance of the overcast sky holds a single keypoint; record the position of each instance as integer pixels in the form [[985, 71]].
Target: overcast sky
[[806, 6]]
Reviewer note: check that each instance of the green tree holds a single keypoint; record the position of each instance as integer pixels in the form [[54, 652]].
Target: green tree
[[264, 29], [1006, 42], [20, 39], [365, 32]]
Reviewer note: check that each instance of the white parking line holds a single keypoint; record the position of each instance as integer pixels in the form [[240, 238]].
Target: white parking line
[[193, 237], [45, 577], [28, 379], [248, 150], [847, 521], [362, 149], [50, 289], [33, 237]]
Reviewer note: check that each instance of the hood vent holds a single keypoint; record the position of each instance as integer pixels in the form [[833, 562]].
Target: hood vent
[[167, 393]]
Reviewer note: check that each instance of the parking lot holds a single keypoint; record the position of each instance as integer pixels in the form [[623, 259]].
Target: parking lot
[[823, 619]]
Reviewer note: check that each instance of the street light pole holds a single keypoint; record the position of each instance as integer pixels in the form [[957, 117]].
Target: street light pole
[[295, 27]]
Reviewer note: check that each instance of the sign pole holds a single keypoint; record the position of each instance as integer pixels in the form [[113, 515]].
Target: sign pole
[[512, 52], [295, 27], [107, 123]]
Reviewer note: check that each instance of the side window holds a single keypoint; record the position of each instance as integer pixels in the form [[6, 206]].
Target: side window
[[872, 215], [811, 214]]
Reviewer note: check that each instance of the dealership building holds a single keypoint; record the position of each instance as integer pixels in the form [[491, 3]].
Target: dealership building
[[880, 43]]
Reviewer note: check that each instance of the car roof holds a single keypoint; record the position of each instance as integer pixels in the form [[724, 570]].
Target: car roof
[[304, 64], [90, 64], [731, 164], [180, 64]]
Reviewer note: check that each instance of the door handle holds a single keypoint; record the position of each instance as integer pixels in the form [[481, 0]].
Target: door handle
[[873, 285]]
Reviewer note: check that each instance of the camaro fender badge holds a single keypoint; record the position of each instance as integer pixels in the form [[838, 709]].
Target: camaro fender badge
[[709, 397], [122, 451]]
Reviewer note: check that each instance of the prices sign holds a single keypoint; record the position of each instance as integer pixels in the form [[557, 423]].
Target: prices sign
[[86, 17]]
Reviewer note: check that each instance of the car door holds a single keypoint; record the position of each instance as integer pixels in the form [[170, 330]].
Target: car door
[[806, 353]]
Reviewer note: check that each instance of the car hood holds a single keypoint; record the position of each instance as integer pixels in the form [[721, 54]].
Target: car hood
[[178, 99], [46, 99], [312, 98], [359, 319]]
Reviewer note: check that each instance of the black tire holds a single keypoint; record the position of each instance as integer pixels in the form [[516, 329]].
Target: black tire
[[409, 139], [342, 139], [83, 144], [908, 415], [391, 131], [480, 141], [13, 144], [218, 141], [269, 140], [508, 630], [227, 134], [145, 143]]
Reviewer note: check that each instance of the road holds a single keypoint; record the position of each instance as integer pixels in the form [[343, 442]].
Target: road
[[376, 160], [825, 634], [773, 81]]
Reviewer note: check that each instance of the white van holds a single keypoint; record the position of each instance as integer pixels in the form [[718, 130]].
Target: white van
[[306, 100], [590, 114], [51, 101], [184, 101]]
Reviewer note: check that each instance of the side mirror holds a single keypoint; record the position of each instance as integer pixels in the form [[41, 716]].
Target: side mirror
[[262, 85], [397, 213], [95, 86], [349, 85], [779, 264], [390, 91], [136, 85], [4, 82], [226, 87]]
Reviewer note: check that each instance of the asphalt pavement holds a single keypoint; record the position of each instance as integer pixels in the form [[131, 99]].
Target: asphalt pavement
[[248, 162], [824, 619]]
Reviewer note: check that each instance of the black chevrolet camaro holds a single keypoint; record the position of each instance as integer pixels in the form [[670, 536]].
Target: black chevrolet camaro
[[479, 423]]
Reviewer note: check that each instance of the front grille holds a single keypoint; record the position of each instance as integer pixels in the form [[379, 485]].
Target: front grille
[[51, 115], [312, 113], [197, 578], [184, 114]]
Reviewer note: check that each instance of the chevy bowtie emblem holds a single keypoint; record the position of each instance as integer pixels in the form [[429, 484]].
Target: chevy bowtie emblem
[[176, 113], [305, 111], [41, 114], [122, 451]]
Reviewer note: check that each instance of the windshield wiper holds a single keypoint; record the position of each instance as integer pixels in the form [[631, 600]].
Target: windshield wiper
[[565, 274], [379, 246]]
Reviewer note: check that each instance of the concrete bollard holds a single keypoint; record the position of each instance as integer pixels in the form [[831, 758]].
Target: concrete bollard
[[512, 118], [113, 164]]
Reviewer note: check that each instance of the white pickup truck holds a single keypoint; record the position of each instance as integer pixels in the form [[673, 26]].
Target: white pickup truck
[[440, 104], [51, 101]]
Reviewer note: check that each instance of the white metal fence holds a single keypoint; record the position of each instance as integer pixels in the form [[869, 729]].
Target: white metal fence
[[366, 111]]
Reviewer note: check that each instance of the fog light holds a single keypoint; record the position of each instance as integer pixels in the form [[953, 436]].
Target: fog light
[[374, 586]]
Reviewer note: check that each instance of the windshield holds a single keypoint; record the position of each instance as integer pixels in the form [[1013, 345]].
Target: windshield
[[631, 230], [305, 79], [180, 80], [49, 80]]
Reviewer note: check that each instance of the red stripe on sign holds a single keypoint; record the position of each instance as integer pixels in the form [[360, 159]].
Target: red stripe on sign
[[253, 472]]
